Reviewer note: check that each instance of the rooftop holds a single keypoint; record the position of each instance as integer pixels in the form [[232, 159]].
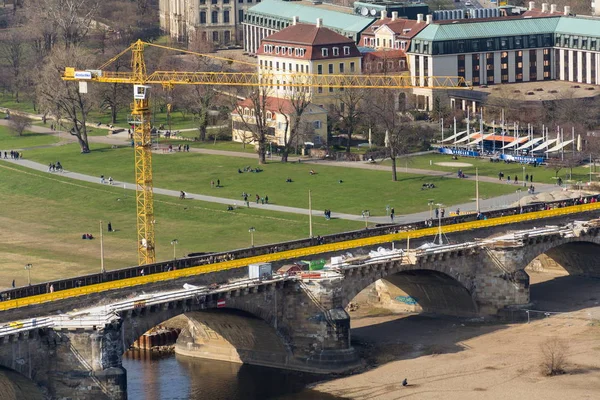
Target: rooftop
[[334, 17], [489, 28], [399, 25], [521, 25], [309, 35]]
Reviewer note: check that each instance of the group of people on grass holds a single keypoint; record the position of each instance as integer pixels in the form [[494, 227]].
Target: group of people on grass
[[14, 155]]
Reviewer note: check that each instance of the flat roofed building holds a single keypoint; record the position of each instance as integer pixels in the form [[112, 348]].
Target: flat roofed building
[[271, 16], [551, 46], [309, 49]]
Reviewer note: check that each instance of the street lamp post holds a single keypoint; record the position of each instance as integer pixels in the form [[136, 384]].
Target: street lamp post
[[252, 230], [28, 268], [366, 214], [579, 184], [310, 231], [430, 203], [519, 191], [524, 183], [440, 206], [102, 270], [174, 244], [477, 189]]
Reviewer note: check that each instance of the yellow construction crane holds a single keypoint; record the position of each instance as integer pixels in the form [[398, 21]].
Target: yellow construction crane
[[140, 110]]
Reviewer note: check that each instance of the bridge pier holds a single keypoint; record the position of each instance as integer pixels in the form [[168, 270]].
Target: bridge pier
[[74, 364]]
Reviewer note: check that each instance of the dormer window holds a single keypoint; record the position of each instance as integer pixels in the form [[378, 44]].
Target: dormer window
[[269, 115], [346, 50], [325, 52], [336, 51], [266, 48], [276, 49], [290, 50]]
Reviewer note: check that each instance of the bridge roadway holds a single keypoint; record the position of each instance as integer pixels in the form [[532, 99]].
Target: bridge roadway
[[96, 284]]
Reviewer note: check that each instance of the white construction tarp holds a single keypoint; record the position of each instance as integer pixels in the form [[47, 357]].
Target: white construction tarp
[[545, 145], [451, 138], [530, 143], [559, 146]]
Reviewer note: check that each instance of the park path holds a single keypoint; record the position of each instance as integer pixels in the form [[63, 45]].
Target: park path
[[485, 204]]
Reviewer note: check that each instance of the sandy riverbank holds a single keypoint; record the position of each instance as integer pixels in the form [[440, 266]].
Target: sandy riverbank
[[451, 359]]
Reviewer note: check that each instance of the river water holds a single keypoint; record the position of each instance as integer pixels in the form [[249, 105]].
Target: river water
[[172, 377]]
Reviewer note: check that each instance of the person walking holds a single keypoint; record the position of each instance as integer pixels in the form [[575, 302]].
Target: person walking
[[13, 283], [218, 183], [110, 229], [267, 199], [102, 179], [257, 199], [531, 178], [110, 180]]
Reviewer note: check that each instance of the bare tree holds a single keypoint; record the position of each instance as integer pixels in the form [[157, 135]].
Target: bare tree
[[403, 137], [293, 110], [63, 98], [347, 111], [73, 18], [13, 52], [253, 117], [18, 124]]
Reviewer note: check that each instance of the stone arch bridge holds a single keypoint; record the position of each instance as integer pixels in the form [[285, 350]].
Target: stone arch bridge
[[287, 322]]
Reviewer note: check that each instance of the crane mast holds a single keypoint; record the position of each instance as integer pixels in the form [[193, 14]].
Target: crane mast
[[141, 115]]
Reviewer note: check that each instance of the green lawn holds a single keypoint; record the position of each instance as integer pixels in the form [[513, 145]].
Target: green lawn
[[486, 168], [361, 189], [44, 215], [9, 141], [7, 101], [209, 144]]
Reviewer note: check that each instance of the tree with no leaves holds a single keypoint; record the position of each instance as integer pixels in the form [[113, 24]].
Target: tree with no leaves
[[255, 121], [293, 111], [13, 52], [347, 110], [404, 137], [18, 124], [63, 98]]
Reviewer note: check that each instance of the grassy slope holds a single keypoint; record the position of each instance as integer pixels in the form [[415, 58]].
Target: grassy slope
[[361, 189], [44, 216]]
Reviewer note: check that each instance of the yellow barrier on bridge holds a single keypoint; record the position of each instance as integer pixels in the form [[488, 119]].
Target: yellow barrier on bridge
[[292, 254]]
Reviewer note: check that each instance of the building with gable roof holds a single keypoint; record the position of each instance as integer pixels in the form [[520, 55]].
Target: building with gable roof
[[310, 49]]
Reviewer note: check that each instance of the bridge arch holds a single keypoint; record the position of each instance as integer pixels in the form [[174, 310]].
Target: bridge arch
[[577, 255], [436, 288], [239, 332]]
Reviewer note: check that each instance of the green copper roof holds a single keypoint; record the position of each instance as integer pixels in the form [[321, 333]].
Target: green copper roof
[[483, 29], [579, 26], [336, 20]]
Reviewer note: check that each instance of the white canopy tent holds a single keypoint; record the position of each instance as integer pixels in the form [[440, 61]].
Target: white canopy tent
[[479, 139], [545, 145], [530, 143], [451, 138], [559, 146], [513, 143], [466, 138]]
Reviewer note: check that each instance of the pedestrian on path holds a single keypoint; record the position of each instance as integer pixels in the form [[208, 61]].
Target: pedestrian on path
[[13, 283], [531, 178], [267, 199], [110, 180], [212, 184], [102, 179], [257, 198], [110, 229], [218, 183]]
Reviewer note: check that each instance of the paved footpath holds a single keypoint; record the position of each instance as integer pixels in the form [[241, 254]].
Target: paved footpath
[[487, 204]]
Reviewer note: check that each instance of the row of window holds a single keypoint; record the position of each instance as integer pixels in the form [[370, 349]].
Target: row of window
[[202, 2], [283, 50], [214, 17], [216, 36], [374, 42], [577, 42], [299, 52], [300, 67]]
